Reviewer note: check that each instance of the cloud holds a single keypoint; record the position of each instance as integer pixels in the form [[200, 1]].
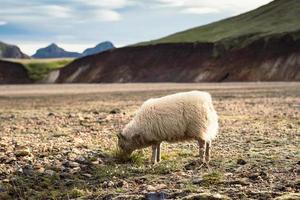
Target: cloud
[[107, 4], [200, 10], [170, 3], [33, 11], [107, 15], [55, 11], [211, 6], [2, 23]]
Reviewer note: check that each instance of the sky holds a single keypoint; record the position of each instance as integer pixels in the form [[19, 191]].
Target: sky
[[79, 24]]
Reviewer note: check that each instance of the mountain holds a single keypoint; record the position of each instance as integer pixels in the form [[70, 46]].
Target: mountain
[[280, 16], [11, 51], [261, 45], [103, 46], [54, 51], [13, 73]]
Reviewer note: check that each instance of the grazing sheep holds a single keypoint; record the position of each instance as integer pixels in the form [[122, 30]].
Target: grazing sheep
[[173, 118]]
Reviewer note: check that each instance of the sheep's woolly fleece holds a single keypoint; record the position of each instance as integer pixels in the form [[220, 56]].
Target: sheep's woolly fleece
[[177, 117]]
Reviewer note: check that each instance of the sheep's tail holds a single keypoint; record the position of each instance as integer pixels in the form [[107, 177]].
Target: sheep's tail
[[213, 125]]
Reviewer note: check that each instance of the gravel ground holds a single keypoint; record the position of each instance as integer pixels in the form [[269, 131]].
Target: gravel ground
[[59, 141]]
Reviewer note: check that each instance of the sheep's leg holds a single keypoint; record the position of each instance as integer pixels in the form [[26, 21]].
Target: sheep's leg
[[154, 154], [158, 152], [202, 147], [207, 152], [204, 152]]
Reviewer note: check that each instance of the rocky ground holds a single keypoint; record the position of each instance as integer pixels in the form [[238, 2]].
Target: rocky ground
[[62, 146]]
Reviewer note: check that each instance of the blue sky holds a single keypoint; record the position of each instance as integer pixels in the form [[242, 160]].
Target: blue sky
[[78, 24]]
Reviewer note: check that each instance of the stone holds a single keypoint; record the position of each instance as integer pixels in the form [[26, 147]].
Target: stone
[[243, 181], [75, 170], [289, 196], [49, 172], [241, 162], [21, 153], [80, 159], [115, 111], [64, 175], [108, 184], [122, 184], [254, 176], [161, 186], [209, 196], [10, 160], [150, 188], [51, 114], [41, 170], [197, 181], [73, 164], [2, 189], [191, 165], [155, 196], [87, 175]]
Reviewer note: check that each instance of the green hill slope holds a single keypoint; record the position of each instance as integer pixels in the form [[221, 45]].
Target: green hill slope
[[279, 16]]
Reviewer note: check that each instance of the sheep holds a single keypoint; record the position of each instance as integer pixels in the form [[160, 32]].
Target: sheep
[[178, 117]]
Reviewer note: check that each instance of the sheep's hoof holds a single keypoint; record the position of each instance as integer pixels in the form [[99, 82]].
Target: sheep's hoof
[[153, 162]]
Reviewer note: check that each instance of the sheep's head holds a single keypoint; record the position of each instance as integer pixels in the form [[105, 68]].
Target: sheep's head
[[125, 146]]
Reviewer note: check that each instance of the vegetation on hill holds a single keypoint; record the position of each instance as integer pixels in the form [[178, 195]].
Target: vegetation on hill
[[39, 68], [277, 17]]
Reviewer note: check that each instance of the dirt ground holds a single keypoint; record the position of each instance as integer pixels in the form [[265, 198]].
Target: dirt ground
[[59, 142]]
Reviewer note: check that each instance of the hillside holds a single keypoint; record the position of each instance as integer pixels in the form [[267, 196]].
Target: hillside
[[13, 73], [280, 16], [11, 51], [54, 51], [277, 59], [242, 48]]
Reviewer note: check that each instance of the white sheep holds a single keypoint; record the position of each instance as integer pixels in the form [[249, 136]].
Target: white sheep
[[177, 117]]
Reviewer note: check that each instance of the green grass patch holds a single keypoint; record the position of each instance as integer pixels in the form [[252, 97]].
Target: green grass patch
[[75, 193], [165, 167], [213, 178], [190, 187], [38, 69]]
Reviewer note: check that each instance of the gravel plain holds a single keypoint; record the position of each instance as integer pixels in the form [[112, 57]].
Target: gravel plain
[[59, 141]]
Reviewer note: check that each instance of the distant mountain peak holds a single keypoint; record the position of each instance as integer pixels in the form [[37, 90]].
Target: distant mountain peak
[[53, 45], [54, 51], [99, 48], [105, 43]]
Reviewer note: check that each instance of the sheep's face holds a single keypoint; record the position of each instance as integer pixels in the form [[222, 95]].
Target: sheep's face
[[124, 145]]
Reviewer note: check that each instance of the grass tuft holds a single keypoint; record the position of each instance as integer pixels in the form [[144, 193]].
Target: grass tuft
[[213, 178]]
